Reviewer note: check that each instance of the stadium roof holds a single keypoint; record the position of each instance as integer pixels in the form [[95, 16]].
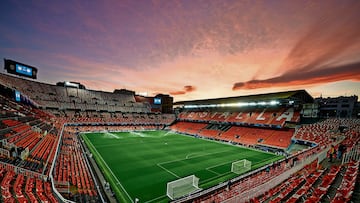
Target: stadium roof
[[301, 96]]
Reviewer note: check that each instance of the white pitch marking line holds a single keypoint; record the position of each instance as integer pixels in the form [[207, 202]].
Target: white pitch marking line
[[111, 172], [213, 171], [176, 160], [168, 170], [162, 196], [112, 135]]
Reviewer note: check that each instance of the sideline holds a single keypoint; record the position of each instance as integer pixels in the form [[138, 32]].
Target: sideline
[[118, 182]]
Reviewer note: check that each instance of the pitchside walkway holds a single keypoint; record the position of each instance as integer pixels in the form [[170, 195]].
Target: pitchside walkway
[[109, 194]]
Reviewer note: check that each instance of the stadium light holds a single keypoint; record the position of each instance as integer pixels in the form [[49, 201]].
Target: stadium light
[[252, 104], [71, 84], [238, 104], [190, 106], [273, 102]]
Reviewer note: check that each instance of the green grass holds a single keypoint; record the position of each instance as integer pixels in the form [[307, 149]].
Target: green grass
[[140, 164]]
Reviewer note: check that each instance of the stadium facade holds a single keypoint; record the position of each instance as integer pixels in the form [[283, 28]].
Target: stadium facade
[[340, 107]]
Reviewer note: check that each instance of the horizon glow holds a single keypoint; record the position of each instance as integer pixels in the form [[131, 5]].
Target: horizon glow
[[189, 49]]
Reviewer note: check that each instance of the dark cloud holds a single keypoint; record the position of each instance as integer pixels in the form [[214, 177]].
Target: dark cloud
[[295, 77], [189, 88], [186, 89]]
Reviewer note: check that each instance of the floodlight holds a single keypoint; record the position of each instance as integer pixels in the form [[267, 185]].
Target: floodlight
[[274, 102], [262, 103], [252, 104]]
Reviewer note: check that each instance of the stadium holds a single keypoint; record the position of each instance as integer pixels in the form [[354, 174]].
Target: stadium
[[67, 143]]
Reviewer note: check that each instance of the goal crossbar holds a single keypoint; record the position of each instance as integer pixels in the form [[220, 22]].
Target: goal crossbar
[[182, 186], [241, 166]]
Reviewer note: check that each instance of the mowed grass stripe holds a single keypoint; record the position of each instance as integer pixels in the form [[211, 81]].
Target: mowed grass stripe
[[145, 161]]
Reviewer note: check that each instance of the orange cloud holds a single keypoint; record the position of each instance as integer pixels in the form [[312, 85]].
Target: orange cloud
[[177, 93], [187, 89]]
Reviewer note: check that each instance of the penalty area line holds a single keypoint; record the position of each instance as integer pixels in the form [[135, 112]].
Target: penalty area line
[[197, 156], [220, 164], [172, 173], [208, 169]]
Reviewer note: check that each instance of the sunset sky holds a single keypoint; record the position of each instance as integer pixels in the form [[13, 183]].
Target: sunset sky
[[190, 49]]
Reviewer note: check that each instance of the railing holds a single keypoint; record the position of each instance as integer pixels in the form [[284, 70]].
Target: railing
[[353, 154], [19, 170]]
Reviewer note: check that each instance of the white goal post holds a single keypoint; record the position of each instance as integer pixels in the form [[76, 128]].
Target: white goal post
[[241, 166], [182, 186]]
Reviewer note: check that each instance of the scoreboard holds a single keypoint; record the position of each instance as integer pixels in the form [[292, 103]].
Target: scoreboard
[[20, 69], [157, 101]]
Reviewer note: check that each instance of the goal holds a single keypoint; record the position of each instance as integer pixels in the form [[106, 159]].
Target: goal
[[241, 166], [182, 186]]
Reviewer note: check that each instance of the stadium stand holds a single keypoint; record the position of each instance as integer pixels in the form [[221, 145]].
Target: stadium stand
[[188, 127], [347, 185], [21, 188], [71, 168], [122, 118], [68, 98], [248, 136], [263, 121], [42, 157], [257, 117], [319, 133]]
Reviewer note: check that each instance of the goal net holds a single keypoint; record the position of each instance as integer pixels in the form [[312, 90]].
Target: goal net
[[181, 187], [241, 166]]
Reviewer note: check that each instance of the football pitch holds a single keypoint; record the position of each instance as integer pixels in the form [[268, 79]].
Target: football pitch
[[140, 164]]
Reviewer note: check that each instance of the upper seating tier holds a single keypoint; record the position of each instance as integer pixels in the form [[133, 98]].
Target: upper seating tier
[[260, 116], [58, 97]]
